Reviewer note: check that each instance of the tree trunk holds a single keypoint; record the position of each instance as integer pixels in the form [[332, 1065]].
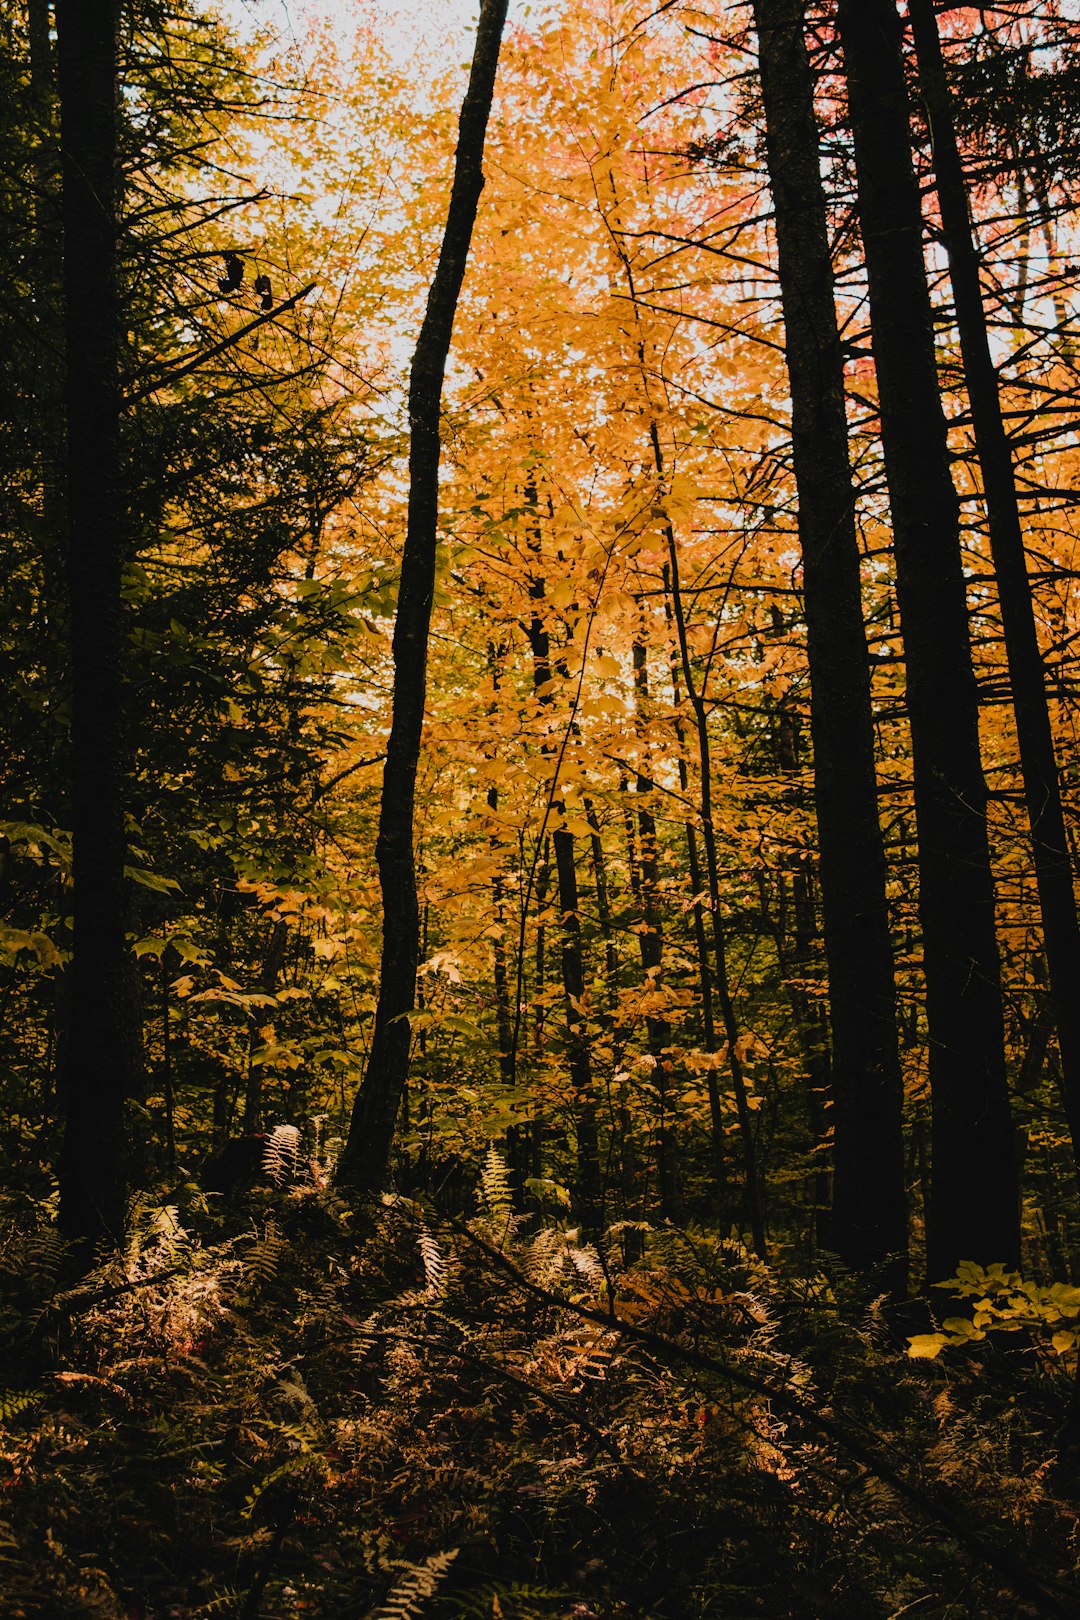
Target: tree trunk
[[1042, 788], [752, 1188], [869, 1221], [651, 936], [974, 1203], [701, 944], [93, 1161], [589, 1188], [366, 1159]]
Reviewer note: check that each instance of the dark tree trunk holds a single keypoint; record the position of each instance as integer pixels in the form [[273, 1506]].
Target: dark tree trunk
[[504, 1021], [701, 943], [93, 1169], [273, 962], [589, 1188], [651, 940], [869, 1223], [366, 1159], [752, 1188], [974, 1204], [1042, 788]]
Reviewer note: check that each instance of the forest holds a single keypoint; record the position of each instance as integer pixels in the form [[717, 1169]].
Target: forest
[[539, 933]]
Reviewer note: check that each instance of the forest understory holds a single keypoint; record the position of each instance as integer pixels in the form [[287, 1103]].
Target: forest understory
[[539, 935]]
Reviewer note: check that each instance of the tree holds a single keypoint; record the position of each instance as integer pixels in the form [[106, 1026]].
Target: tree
[[974, 1211], [371, 1128], [96, 1066], [1042, 787], [869, 1225]]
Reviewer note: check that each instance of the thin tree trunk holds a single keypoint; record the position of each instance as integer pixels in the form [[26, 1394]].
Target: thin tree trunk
[[589, 1181], [543, 879], [651, 939], [1042, 787], [751, 1183], [366, 1159], [589, 1187], [504, 1022], [869, 1221], [701, 943], [974, 1200], [619, 1104], [272, 964], [93, 1161]]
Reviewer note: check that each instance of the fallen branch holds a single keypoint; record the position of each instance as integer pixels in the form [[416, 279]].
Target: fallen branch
[[1049, 1595]]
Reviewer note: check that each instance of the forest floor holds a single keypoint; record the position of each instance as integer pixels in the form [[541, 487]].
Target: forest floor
[[269, 1407]]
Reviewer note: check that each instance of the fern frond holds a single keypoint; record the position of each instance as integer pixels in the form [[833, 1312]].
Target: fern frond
[[513, 1601], [544, 1257], [265, 1258], [14, 1401], [586, 1262], [281, 1153], [496, 1195], [434, 1264], [301, 1464], [413, 1587], [227, 1602]]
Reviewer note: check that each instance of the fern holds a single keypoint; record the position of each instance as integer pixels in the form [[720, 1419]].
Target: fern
[[281, 1153], [304, 1463], [14, 1401], [496, 1196], [413, 1587], [265, 1258], [586, 1262], [227, 1602], [434, 1264], [513, 1601]]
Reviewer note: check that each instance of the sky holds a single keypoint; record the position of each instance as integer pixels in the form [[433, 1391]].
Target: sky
[[421, 35]]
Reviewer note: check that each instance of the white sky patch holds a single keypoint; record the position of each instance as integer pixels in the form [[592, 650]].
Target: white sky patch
[[424, 37]]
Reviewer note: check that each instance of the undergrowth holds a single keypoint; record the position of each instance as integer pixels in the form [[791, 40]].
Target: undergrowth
[[271, 1408]]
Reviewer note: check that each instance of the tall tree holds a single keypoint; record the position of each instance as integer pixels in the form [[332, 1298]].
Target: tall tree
[[97, 1052], [371, 1129], [974, 1204], [869, 1223], [1042, 788]]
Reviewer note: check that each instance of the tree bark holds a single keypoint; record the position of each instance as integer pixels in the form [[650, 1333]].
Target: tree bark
[[589, 1191], [93, 1168], [366, 1159], [651, 937], [752, 1187], [1042, 787], [869, 1218], [974, 1201]]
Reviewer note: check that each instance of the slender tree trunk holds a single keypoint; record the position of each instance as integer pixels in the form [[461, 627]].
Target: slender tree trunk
[[366, 1159], [589, 1181], [651, 939], [93, 1162], [974, 1200], [272, 964], [603, 917], [1042, 787], [701, 943], [589, 1186], [631, 1193], [504, 1021], [869, 1224], [543, 880], [751, 1183]]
